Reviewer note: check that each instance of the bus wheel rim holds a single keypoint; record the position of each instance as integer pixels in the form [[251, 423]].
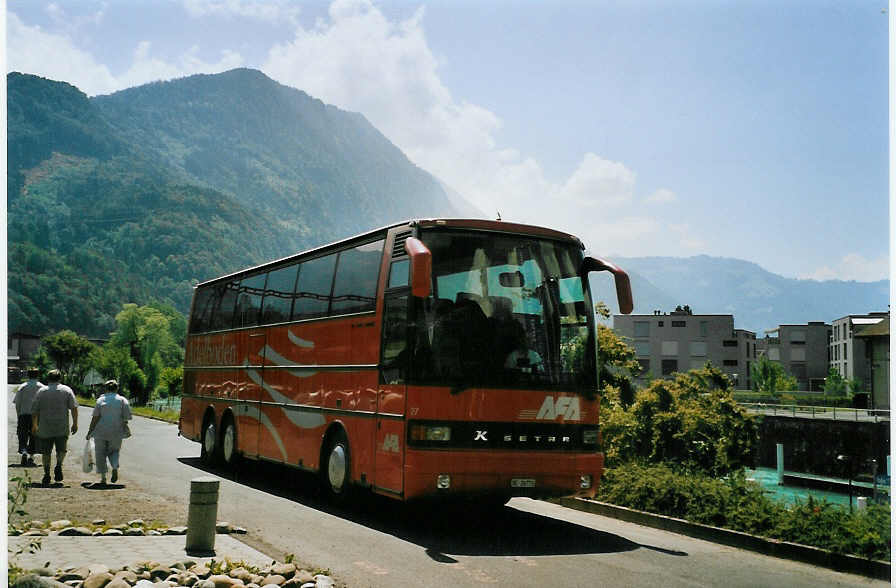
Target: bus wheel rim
[[209, 439], [229, 442], [336, 468]]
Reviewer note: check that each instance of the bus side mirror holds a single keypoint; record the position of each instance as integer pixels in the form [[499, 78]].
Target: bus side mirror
[[623, 285], [421, 267]]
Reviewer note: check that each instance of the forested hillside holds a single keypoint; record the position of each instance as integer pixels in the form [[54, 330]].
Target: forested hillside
[[138, 196]]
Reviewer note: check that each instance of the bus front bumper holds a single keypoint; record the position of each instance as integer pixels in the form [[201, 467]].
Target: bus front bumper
[[501, 473]]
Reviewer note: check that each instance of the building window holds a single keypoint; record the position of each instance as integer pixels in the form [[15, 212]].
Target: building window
[[729, 362], [697, 364], [844, 352], [703, 328], [642, 348], [679, 323], [698, 348], [798, 354], [729, 343], [670, 347], [774, 354], [642, 329], [670, 366], [798, 337], [836, 353], [660, 323], [645, 366]]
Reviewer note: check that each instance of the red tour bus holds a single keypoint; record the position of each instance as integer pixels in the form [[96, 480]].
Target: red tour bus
[[432, 357]]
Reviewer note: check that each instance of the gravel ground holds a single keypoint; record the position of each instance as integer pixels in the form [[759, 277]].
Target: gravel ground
[[120, 503]]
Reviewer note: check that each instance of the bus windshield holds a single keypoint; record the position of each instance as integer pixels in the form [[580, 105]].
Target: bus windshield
[[506, 311]]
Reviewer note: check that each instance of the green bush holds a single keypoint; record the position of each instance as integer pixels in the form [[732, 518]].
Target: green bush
[[794, 398], [734, 503]]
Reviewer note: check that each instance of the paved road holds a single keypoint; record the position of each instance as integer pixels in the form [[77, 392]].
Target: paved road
[[378, 542]]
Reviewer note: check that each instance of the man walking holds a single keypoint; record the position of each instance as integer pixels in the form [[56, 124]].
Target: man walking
[[51, 408], [23, 400]]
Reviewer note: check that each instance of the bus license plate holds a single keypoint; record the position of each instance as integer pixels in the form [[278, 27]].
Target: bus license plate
[[522, 483]]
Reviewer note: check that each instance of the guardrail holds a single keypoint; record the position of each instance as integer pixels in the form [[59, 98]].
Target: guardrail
[[819, 412]]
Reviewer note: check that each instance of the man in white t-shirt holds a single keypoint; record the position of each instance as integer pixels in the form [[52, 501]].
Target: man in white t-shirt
[[51, 407], [23, 400]]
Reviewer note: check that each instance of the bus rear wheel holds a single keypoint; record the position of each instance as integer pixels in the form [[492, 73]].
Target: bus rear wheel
[[209, 451], [337, 467], [229, 451]]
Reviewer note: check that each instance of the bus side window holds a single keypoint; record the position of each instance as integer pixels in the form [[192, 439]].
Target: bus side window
[[357, 274], [400, 273], [279, 292], [202, 308], [224, 304], [248, 304], [395, 354], [313, 289]]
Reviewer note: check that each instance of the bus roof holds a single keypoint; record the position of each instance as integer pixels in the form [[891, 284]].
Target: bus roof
[[454, 223]]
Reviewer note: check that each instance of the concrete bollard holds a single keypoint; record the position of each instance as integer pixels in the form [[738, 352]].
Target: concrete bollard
[[780, 458], [202, 516], [861, 503]]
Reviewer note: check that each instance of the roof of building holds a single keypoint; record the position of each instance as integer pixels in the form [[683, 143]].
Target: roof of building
[[880, 329]]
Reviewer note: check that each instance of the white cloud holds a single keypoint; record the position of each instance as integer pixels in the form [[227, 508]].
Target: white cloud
[[599, 181], [31, 50], [853, 266], [662, 196], [57, 57], [272, 11]]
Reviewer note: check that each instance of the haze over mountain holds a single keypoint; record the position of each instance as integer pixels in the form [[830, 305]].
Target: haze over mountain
[[138, 195], [758, 299]]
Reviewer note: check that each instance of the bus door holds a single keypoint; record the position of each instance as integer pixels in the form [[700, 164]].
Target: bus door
[[390, 414], [251, 391]]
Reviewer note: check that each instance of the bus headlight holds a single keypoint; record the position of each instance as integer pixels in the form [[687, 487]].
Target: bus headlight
[[585, 481], [443, 481], [430, 433]]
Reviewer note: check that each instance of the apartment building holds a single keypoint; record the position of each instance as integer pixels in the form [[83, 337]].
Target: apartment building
[[847, 354], [680, 341], [802, 351]]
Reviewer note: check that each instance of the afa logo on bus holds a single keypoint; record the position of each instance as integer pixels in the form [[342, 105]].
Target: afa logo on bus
[[566, 408]]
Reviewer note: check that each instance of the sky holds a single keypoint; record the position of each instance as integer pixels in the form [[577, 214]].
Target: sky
[[749, 129]]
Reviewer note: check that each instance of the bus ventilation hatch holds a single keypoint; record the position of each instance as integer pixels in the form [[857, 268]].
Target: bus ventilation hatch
[[398, 246]]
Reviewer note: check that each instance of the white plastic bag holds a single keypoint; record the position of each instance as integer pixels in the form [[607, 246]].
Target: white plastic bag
[[87, 459]]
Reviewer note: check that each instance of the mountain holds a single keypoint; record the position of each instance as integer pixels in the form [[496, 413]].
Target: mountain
[[323, 173], [139, 195], [758, 299]]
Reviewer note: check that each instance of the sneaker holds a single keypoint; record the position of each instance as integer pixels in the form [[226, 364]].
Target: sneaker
[[25, 459], [114, 475], [46, 480], [57, 473]]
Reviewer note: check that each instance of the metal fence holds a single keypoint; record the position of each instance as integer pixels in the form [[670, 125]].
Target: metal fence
[[170, 403], [818, 412]]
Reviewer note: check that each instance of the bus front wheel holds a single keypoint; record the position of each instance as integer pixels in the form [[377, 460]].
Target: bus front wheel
[[336, 471]]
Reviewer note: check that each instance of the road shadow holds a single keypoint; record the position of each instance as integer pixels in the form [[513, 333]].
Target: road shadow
[[440, 528], [101, 486]]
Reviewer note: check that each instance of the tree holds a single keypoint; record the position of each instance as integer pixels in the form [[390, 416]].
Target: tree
[[616, 363], [146, 333], [692, 420], [69, 352], [769, 377]]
